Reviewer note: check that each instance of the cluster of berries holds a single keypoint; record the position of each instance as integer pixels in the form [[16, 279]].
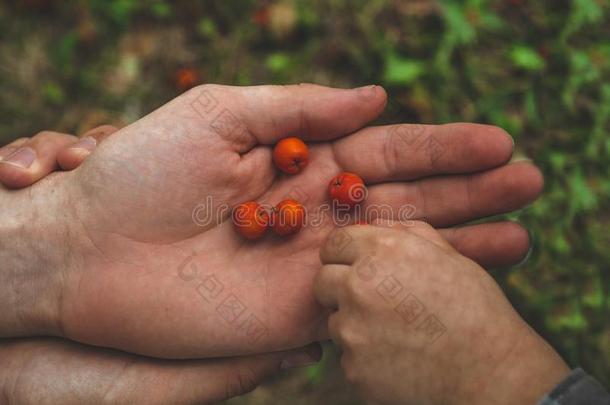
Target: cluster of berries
[[291, 156]]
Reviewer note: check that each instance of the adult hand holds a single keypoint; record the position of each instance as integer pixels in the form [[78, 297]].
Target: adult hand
[[51, 371], [126, 266], [54, 371], [421, 324]]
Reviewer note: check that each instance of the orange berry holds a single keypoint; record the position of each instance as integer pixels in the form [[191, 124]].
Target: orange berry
[[251, 220], [291, 155], [185, 78], [288, 217], [347, 189]]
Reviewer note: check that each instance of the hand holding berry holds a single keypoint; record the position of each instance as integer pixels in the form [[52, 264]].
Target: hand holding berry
[[420, 324]]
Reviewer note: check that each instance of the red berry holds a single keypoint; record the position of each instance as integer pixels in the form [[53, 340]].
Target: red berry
[[185, 78], [291, 155], [251, 220], [288, 217], [347, 189]]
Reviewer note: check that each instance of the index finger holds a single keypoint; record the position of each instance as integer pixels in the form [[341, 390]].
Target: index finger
[[411, 151]]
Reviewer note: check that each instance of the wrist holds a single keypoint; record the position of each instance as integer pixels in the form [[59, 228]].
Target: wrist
[[32, 244], [530, 369]]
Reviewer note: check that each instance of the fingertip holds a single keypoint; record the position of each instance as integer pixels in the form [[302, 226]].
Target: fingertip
[[315, 113], [492, 245], [71, 158], [497, 144], [537, 179], [531, 179], [100, 133], [15, 178], [383, 96], [374, 95], [504, 141], [519, 241], [515, 247], [16, 168], [74, 155]]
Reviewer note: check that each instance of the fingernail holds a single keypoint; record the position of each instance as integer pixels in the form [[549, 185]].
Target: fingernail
[[306, 357], [22, 157], [530, 251], [88, 143], [368, 86], [521, 158], [367, 93], [6, 151]]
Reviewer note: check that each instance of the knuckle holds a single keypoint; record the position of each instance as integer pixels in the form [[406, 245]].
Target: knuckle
[[20, 141], [101, 130], [322, 279], [401, 139], [387, 240], [350, 336], [44, 135], [334, 326], [200, 89], [392, 150], [356, 289], [351, 373], [336, 241]]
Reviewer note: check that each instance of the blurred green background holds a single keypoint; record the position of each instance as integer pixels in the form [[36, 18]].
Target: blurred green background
[[539, 69]]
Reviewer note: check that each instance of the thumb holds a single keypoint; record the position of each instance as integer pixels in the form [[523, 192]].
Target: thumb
[[244, 374]]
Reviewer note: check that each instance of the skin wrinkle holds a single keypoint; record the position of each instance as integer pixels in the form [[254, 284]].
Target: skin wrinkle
[[274, 124], [500, 361], [391, 152], [469, 203], [335, 155], [25, 277], [4, 385], [25, 360], [5, 396], [113, 386], [63, 281], [304, 124], [383, 105], [279, 132], [434, 161]]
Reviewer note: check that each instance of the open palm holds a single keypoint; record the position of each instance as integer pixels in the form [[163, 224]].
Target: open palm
[[155, 267]]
